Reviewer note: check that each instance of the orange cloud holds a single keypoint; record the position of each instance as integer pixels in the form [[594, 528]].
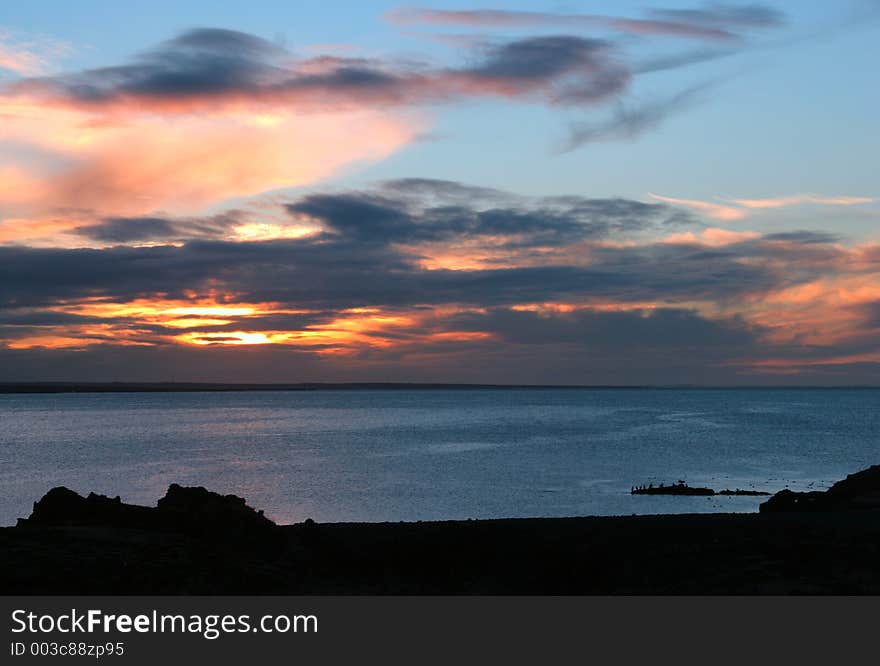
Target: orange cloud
[[469, 255], [550, 309], [713, 210], [798, 199], [737, 209], [209, 311], [129, 165], [128, 323], [200, 320], [18, 185], [82, 337], [38, 231], [824, 312], [712, 236], [345, 334]]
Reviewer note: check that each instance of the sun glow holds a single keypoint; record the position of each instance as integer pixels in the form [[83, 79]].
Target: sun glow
[[232, 338], [259, 231]]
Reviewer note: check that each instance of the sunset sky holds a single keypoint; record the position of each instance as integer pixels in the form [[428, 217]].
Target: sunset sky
[[576, 192]]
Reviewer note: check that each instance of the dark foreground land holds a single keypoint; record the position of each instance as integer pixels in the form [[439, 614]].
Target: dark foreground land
[[197, 542]]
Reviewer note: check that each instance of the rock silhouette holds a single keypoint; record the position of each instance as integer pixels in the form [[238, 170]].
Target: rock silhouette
[[199, 542], [63, 507], [857, 491], [681, 488], [194, 511]]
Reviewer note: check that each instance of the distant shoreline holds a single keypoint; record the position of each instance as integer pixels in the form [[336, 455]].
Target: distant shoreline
[[209, 387]]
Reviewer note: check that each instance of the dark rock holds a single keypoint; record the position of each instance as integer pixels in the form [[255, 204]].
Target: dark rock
[[857, 491], [777, 553], [861, 490], [64, 507], [197, 509], [680, 488], [788, 500], [192, 511]]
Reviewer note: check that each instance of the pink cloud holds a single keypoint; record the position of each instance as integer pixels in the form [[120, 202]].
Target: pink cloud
[[738, 209], [29, 57], [138, 163], [712, 237], [800, 199], [214, 114], [713, 210], [488, 18]]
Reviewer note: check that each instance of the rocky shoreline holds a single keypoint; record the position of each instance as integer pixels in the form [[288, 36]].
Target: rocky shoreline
[[198, 542], [682, 489]]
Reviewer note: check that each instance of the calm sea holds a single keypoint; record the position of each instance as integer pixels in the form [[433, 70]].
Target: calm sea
[[436, 454]]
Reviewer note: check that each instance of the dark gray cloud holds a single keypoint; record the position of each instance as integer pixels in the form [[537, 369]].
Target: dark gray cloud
[[204, 68], [206, 61], [433, 211], [24, 323], [207, 66], [537, 58], [714, 21], [128, 229], [423, 191], [726, 15], [871, 312], [662, 328], [370, 251], [630, 122], [595, 348], [124, 230], [804, 237], [608, 348], [27, 318], [369, 255], [495, 363], [579, 69], [673, 61]]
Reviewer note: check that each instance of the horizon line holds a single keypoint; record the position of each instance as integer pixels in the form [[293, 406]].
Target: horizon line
[[11, 387]]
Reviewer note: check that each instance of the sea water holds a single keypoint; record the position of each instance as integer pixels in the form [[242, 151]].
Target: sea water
[[391, 455]]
